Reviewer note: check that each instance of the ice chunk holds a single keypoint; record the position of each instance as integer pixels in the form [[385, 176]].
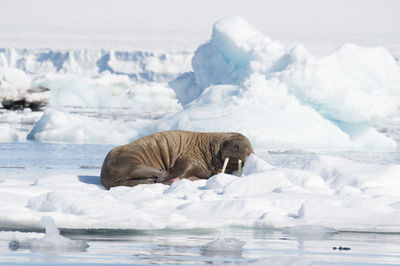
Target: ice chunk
[[51, 242], [139, 65], [51, 227], [223, 246], [57, 126], [226, 58], [52, 123], [14, 83], [280, 96], [72, 90], [355, 84], [351, 177], [185, 88], [264, 111]]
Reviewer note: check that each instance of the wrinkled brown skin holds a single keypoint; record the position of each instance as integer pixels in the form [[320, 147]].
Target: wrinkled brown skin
[[170, 155]]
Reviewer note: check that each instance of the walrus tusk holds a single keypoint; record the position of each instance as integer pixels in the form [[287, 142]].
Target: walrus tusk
[[239, 167], [225, 164]]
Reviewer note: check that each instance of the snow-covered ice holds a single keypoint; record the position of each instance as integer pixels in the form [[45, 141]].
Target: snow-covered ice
[[139, 65], [315, 85], [14, 83], [330, 192], [279, 95]]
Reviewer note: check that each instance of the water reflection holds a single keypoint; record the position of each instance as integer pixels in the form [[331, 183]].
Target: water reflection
[[264, 246]]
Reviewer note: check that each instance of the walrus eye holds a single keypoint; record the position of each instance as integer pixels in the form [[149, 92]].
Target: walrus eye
[[225, 164], [239, 167]]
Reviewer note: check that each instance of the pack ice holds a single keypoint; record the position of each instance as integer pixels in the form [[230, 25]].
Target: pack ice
[[330, 193], [278, 95]]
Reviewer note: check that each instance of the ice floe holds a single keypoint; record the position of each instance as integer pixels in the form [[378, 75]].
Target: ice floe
[[330, 193], [51, 242]]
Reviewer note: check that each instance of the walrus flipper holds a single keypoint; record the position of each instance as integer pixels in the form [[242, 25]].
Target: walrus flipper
[[183, 168], [131, 175]]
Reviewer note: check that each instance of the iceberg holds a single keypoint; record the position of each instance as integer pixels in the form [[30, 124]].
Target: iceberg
[[279, 95], [14, 83], [139, 65], [92, 78], [223, 247], [63, 127], [108, 90], [283, 97]]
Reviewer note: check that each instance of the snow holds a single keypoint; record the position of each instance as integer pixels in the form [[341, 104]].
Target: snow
[[139, 65], [330, 192], [355, 84], [279, 95], [93, 77], [293, 76], [244, 77], [57, 126]]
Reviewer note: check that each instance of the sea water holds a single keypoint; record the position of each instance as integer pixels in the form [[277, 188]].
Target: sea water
[[166, 247]]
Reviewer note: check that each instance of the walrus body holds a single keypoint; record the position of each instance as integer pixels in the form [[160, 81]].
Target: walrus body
[[171, 155]]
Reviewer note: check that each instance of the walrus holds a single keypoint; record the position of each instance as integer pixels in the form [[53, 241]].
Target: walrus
[[167, 156]]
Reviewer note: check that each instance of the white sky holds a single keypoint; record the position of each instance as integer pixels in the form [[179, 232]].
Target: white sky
[[188, 22]]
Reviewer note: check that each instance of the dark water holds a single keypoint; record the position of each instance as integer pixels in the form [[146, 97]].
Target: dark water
[[32, 160]]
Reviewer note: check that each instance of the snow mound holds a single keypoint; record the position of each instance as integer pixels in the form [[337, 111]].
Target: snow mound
[[108, 90], [57, 126], [355, 84], [283, 97]]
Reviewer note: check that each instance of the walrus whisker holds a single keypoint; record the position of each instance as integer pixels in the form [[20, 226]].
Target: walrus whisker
[[239, 167], [225, 164]]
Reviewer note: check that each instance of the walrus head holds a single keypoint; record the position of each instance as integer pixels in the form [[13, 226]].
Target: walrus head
[[235, 149]]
